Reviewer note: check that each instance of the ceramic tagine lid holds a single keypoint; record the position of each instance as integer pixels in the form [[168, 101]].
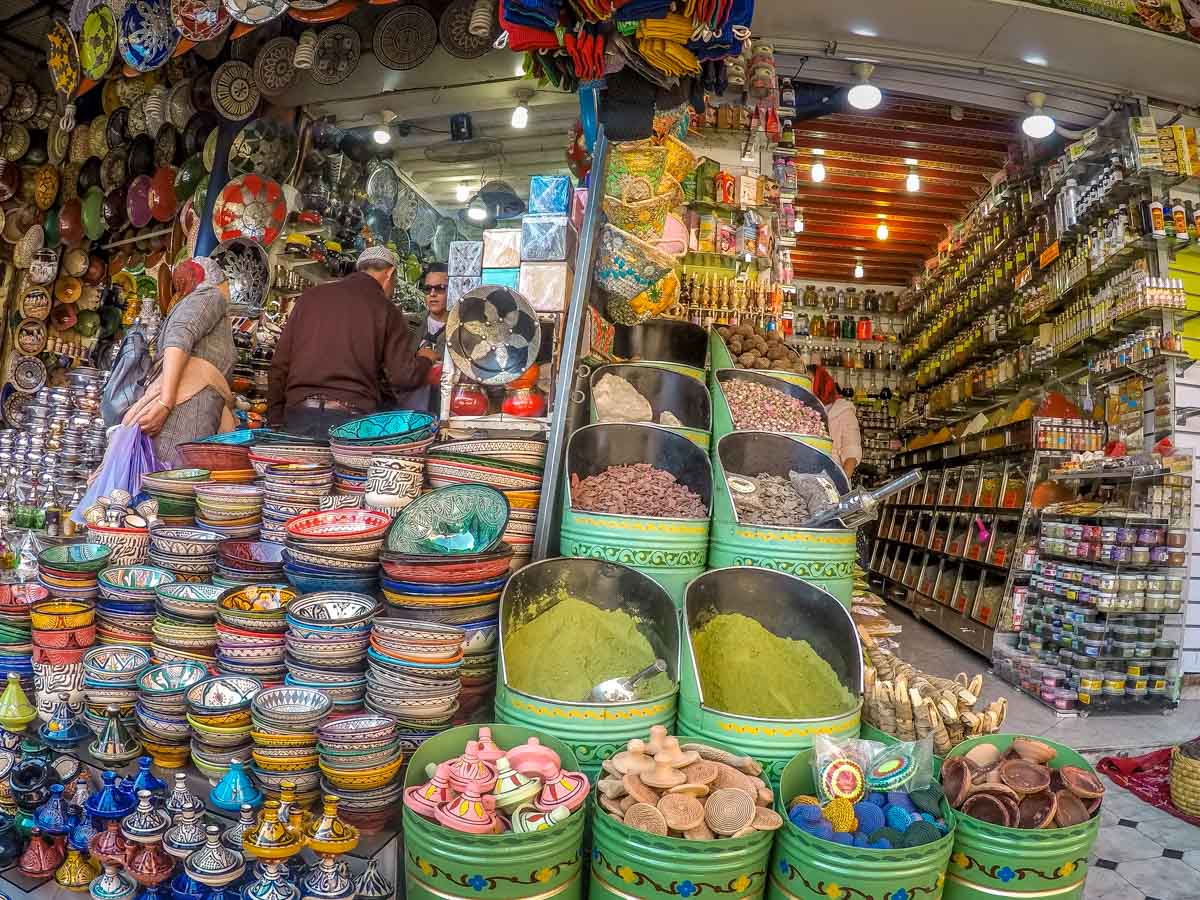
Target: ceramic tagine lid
[[487, 749], [424, 799], [181, 798], [470, 812], [145, 780], [470, 772], [146, 824], [51, 816], [108, 845], [76, 871], [512, 788], [529, 819], [232, 836], [214, 864], [113, 884], [567, 789], [115, 744], [15, 709], [328, 833], [64, 728], [371, 885], [234, 789], [272, 884], [187, 834], [271, 839], [534, 758]]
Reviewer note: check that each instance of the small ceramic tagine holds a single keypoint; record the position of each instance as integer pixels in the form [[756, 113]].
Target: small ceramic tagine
[[187, 834], [76, 871], [327, 880], [150, 866], [512, 788], [270, 838], [113, 884], [567, 789], [145, 780], [470, 812], [528, 819], [291, 813], [64, 730], [115, 745], [185, 887], [328, 833], [111, 802], [146, 824], [234, 789], [534, 758], [41, 857], [486, 748], [424, 799], [371, 885], [83, 829], [108, 845], [30, 782], [80, 790], [271, 884], [51, 816], [180, 797], [214, 864], [15, 709], [231, 837], [469, 772]]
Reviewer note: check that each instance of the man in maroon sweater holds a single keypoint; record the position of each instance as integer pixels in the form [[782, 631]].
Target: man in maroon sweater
[[341, 341]]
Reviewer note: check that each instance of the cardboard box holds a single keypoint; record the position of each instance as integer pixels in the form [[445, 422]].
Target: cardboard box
[[549, 194], [749, 189], [501, 248], [507, 276], [466, 258], [546, 285], [547, 239]]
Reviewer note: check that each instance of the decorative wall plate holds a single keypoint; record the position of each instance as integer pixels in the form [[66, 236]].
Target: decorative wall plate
[[62, 59], [263, 146], [45, 186], [136, 125], [147, 36], [112, 169], [311, 5], [255, 12], [248, 269], [455, 32], [98, 42], [199, 127], [179, 104], [35, 303], [493, 335], [98, 135], [31, 337], [23, 103], [234, 92], [137, 201], [117, 127], [423, 225], [405, 37], [336, 55], [250, 206], [383, 185], [94, 225], [200, 21], [81, 143], [166, 145], [29, 374], [273, 69], [14, 141]]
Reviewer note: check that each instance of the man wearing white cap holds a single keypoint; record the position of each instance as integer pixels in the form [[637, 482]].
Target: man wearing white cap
[[342, 341]]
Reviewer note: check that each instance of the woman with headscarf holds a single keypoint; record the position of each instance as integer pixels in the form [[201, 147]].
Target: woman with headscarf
[[188, 397], [843, 421]]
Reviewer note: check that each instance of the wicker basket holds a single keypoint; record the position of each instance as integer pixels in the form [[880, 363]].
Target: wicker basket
[[635, 170], [681, 161], [1185, 783]]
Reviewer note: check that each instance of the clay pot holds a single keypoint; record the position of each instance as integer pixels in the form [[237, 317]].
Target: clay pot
[[1081, 782], [1070, 810], [1033, 751], [987, 808], [1038, 810], [1025, 777]]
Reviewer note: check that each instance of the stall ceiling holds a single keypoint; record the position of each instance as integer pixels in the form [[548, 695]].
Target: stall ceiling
[[23, 27]]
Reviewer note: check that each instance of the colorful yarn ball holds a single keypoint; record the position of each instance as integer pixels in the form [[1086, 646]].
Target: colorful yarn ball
[[880, 845], [870, 817], [920, 833], [860, 840], [803, 800], [822, 830], [843, 778], [840, 813], [890, 770], [877, 798], [901, 799], [805, 814], [897, 817], [841, 837], [927, 799], [889, 835]]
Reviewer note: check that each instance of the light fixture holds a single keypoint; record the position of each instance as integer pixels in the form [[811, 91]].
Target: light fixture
[[882, 231], [477, 210], [462, 193], [382, 134], [1035, 59], [858, 269], [864, 31], [912, 183], [519, 71], [817, 171], [864, 95], [520, 116], [798, 222], [1038, 124]]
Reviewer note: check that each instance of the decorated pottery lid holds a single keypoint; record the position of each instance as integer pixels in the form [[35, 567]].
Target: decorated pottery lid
[[30, 243], [234, 93], [89, 175], [67, 289], [146, 34], [162, 194], [70, 222], [45, 186], [62, 59], [137, 202], [35, 303], [93, 213]]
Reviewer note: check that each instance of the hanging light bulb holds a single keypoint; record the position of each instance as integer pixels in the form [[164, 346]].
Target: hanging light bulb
[[1038, 124], [477, 211], [462, 193], [798, 222], [382, 134], [913, 182], [882, 231], [817, 171], [858, 269], [864, 95], [520, 116]]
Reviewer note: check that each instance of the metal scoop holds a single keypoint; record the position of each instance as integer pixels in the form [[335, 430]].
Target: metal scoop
[[621, 690]]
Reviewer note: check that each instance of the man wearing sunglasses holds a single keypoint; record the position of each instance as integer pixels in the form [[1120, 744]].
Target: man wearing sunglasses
[[434, 284]]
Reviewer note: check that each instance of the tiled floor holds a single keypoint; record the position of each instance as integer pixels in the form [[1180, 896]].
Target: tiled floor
[[1142, 853]]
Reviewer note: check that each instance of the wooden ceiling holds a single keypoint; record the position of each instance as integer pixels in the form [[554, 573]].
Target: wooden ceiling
[[865, 156]]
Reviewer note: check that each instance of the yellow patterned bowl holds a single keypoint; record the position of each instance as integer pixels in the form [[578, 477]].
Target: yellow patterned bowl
[[362, 779], [234, 719], [273, 739], [283, 765], [58, 615]]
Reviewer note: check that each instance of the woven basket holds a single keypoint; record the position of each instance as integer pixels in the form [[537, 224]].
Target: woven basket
[[1185, 783], [644, 218], [681, 161], [635, 170]]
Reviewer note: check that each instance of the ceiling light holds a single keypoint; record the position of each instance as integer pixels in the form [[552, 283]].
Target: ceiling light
[[912, 183], [519, 71], [864, 31], [858, 269], [1037, 124], [520, 116], [882, 231], [817, 171], [1035, 60], [798, 223], [462, 193], [477, 211], [864, 95], [817, 151], [382, 134]]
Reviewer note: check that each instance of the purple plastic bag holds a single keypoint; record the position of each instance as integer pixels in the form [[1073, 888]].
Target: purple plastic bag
[[129, 456]]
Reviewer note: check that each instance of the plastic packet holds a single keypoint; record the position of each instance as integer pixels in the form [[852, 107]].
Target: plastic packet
[[855, 767]]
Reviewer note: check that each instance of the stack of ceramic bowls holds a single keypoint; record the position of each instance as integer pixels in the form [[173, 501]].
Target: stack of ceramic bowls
[[327, 639], [360, 744], [403, 433], [110, 678], [70, 570], [183, 629], [277, 453], [244, 562], [229, 510], [252, 631], [335, 550], [412, 674], [16, 636], [175, 491], [162, 710], [288, 712], [218, 711], [62, 630], [227, 463], [188, 553], [289, 490], [125, 610]]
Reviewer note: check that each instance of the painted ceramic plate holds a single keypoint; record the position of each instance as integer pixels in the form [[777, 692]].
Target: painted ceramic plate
[[35, 304], [179, 104], [248, 269], [30, 337], [137, 201], [94, 225], [250, 206], [336, 55], [423, 225], [98, 42], [23, 103], [339, 524], [14, 141], [200, 21], [383, 185], [147, 36], [266, 147], [455, 32], [117, 126], [62, 58], [234, 92], [493, 335], [29, 374], [273, 69], [404, 38], [255, 12]]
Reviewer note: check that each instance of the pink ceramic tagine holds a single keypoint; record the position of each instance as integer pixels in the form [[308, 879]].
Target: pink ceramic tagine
[[533, 758], [470, 772], [424, 799], [471, 813]]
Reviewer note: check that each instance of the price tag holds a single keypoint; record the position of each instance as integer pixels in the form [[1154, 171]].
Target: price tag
[[1049, 255]]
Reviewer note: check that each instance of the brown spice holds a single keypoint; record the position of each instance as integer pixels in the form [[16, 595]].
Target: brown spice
[[636, 490]]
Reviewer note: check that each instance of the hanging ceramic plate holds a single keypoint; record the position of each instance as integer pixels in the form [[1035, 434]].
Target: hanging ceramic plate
[[98, 135], [250, 206], [234, 91], [35, 304], [23, 103], [311, 5], [14, 141], [179, 104], [405, 37], [445, 232], [29, 374], [137, 202], [162, 194], [93, 214], [405, 209], [255, 12], [63, 59], [112, 169], [209, 153], [45, 190], [166, 145], [263, 146], [30, 339], [423, 226], [140, 160], [98, 42], [454, 29], [147, 36], [246, 265], [198, 20], [383, 184], [199, 127], [116, 131], [136, 125], [68, 185], [273, 69], [336, 55]]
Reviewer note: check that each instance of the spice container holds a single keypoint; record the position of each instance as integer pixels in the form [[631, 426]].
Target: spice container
[[1122, 649], [1140, 556], [1164, 649], [1135, 668], [1106, 581], [1172, 584], [1091, 682], [1135, 693], [1177, 538], [1150, 535], [1156, 668], [1136, 682], [1122, 554], [1159, 555], [1143, 650], [1176, 559], [1172, 603], [1145, 632], [1127, 536], [1093, 631], [1090, 647], [1114, 684], [1131, 582], [1052, 678], [1123, 632], [1108, 534], [1064, 698], [1084, 663], [1155, 584], [1130, 600]]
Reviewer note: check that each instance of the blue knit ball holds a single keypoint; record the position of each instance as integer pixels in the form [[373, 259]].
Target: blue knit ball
[[879, 799], [882, 844], [901, 799], [860, 840], [843, 837], [897, 817], [870, 817], [806, 812]]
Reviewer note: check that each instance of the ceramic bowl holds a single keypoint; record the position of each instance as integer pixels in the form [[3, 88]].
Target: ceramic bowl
[[56, 614], [115, 665], [181, 565], [294, 554], [294, 740], [262, 602], [361, 780], [308, 583], [234, 719], [81, 558], [136, 579], [357, 549], [363, 728], [384, 428], [193, 601], [291, 707], [231, 736], [338, 526], [222, 694], [273, 781], [333, 609], [210, 456], [183, 541]]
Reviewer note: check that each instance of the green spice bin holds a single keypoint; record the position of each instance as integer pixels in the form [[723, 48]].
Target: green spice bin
[[719, 357], [723, 416], [804, 867], [593, 731], [671, 551], [991, 861], [788, 607], [821, 556], [671, 343], [443, 864], [667, 391]]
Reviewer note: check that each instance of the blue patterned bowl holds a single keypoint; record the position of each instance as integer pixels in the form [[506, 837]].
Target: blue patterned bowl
[[307, 582], [455, 520], [397, 426]]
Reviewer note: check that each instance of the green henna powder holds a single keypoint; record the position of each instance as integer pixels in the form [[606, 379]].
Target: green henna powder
[[573, 646], [748, 671]]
